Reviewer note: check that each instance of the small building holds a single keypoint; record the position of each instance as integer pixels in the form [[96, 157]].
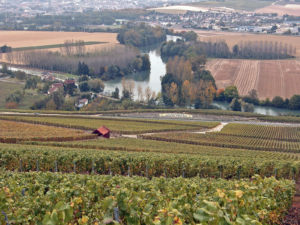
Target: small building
[[83, 101], [103, 131], [58, 85], [53, 89]]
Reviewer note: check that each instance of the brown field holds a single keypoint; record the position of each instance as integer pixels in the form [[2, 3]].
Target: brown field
[[233, 38], [270, 77], [238, 37], [16, 39], [291, 9]]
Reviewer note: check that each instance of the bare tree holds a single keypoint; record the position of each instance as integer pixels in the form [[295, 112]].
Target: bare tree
[[139, 92]]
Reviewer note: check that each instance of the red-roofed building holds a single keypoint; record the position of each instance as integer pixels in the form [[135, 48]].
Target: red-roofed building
[[58, 85], [103, 131], [53, 89]]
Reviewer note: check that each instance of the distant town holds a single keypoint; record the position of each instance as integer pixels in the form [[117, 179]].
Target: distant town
[[84, 15]]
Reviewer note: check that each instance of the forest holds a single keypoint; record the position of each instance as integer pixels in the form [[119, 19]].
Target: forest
[[140, 35], [186, 82]]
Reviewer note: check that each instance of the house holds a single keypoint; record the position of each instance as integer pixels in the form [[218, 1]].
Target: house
[[102, 131], [69, 82], [53, 89], [48, 76], [58, 85], [83, 101]]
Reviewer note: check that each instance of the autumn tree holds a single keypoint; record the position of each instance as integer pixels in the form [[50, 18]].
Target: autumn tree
[[139, 92]]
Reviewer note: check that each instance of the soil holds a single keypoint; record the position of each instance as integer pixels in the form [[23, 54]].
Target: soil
[[269, 77], [293, 216]]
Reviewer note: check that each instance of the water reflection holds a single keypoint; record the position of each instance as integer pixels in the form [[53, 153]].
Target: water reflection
[[145, 78], [266, 110]]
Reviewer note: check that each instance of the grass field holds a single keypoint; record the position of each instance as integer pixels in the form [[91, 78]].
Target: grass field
[[9, 88], [55, 46], [235, 4]]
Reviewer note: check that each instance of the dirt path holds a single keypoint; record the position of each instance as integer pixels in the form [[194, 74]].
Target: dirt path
[[215, 129]]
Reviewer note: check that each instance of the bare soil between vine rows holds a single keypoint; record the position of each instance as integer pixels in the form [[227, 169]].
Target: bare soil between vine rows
[[293, 216]]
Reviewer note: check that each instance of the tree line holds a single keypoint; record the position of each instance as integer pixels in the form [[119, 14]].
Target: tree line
[[231, 94], [140, 35], [220, 49]]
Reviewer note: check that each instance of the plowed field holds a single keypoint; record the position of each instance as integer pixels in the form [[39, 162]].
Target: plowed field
[[270, 78]]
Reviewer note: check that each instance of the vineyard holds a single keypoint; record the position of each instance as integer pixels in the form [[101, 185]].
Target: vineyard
[[227, 141], [269, 77], [124, 126], [240, 136], [12, 132], [47, 198], [54, 171], [228, 164]]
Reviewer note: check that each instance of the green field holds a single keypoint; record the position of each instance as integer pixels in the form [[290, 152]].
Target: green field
[[55, 46], [235, 4], [9, 88]]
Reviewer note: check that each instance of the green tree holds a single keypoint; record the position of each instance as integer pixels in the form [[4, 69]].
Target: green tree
[[58, 97], [230, 93], [84, 86], [116, 93], [96, 85], [295, 102], [235, 105], [278, 102], [68, 106]]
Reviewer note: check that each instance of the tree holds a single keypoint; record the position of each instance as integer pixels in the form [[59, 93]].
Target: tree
[[247, 107], [51, 105], [84, 86], [137, 64], [220, 95], [230, 93], [83, 78], [295, 102], [173, 93], [96, 85], [139, 92], [11, 105], [68, 106], [235, 105], [277, 102], [148, 94], [58, 97], [186, 86], [116, 93], [146, 62]]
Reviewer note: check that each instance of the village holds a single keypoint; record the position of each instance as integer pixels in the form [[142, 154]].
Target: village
[[227, 21]]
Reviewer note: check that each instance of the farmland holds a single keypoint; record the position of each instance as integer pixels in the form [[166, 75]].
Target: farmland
[[87, 180], [10, 132], [234, 4], [232, 38], [94, 198], [18, 39], [270, 77], [116, 125], [291, 9]]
